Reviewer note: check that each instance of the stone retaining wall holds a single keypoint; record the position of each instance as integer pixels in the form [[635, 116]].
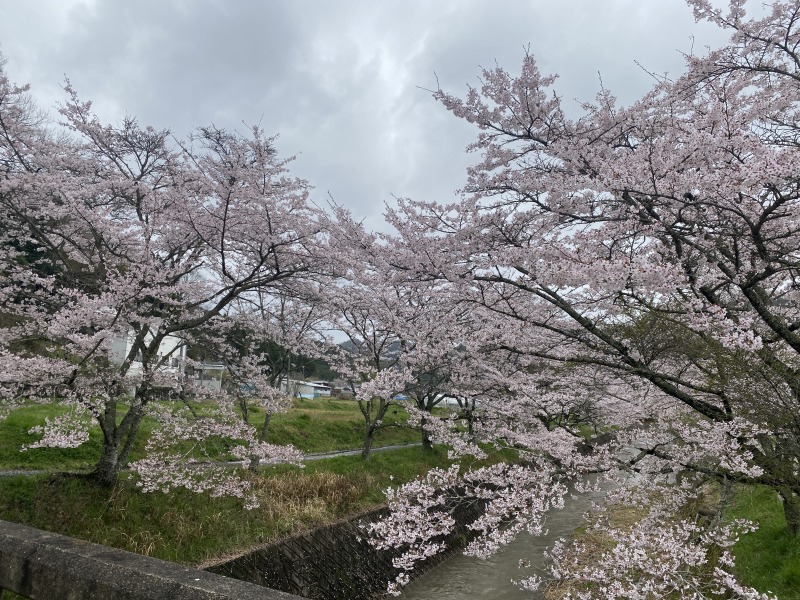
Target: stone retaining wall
[[335, 562]]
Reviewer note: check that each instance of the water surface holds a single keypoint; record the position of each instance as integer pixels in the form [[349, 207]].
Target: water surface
[[464, 577]]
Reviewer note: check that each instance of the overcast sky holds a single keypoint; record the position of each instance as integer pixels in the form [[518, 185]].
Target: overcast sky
[[341, 81]]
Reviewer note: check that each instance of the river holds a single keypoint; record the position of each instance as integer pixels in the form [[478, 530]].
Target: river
[[465, 577]]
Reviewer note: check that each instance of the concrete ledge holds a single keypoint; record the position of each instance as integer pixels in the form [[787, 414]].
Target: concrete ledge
[[48, 566]]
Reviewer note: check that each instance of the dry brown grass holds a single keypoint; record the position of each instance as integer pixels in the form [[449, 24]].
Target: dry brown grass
[[297, 502], [299, 493]]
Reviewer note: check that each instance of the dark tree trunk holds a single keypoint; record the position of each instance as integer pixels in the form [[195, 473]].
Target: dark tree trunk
[[244, 409], [371, 422], [791, 510], [427, 443], [470, 416], [106, 472], [118, 439], [369, 437], [265, 427], [262, 437]]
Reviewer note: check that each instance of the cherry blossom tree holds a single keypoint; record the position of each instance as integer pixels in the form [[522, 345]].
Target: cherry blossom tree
[[368, 360], [120, 246], [406, 337], [265, 336], [433, 330], [676, 213], [647, 254], [663, 553]]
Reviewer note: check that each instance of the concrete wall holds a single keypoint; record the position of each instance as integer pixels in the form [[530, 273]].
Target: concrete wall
[[48, 566]]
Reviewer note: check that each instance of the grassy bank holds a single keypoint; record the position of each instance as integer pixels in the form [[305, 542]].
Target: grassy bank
[[319, 425], [14, 435], [326, 424], [768, 559], [194, 528]]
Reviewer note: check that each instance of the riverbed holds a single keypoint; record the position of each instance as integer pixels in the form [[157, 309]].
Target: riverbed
[[464, 577]]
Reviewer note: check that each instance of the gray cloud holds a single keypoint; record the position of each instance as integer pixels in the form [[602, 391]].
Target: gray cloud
[[339, 81]]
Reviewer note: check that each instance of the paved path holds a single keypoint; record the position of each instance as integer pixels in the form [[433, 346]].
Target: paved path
[[239, 463], [319, 455]]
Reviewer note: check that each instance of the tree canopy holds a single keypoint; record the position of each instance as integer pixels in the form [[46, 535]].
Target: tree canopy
[[645, 254]]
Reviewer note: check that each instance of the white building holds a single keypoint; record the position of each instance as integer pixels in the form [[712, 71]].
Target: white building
[[172, 350], [304, 389]]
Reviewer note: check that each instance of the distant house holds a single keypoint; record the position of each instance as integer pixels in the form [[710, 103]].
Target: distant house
[[171, 355], [305, 389], [206, 375], [341, 388], [172, 349]]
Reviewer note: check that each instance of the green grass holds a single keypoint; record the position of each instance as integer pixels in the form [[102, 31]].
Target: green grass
[[14, 435], [326, 424], [768, 559], [194, 528], [320, 425]]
